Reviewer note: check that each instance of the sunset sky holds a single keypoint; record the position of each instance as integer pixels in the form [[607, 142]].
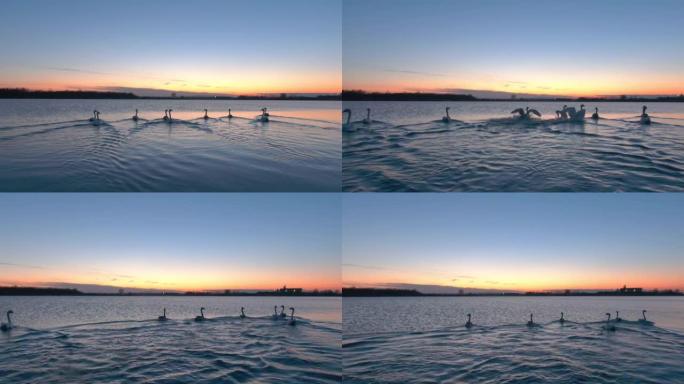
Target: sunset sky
[[514, 241], [575, 48], [213, 46], [171, 241]]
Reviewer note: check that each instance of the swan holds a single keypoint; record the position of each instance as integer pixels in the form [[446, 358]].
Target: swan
[[446, 118], [643, 319], [230, 115], [205, 117], [96, 116], [468, 323], [242, 312], [576, 115], [525, 113], [595, 116], [264, 116], [562, 320], [367, 120], [563, 112], [6, 327], [645, 119], [170, 118], [292, 319], [531, 322], [166, 115], [609, 327], [135, 117], [201, 316], [349, 113], [282, 312], [275, 313], [617, 316], [162, 317]]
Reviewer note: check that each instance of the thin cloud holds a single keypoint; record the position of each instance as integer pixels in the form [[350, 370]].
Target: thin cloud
[[77, 70], [408, 72], [22, 265]]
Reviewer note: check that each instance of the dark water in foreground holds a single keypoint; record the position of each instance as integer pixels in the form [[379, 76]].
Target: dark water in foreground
[[408, 148], [221, 349], [430, 344], [49, 145]]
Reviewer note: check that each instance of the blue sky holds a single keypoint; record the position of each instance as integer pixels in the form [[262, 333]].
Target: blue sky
[[583, 47], [171, 241], [194, 46], [514, 241]]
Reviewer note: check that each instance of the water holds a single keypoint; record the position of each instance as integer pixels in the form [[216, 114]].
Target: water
[[406, 149], [118, 340], [49, 145], [424, 340]]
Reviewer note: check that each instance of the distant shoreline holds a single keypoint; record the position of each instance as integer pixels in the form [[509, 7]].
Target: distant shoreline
[[33, 291], [372, 292]]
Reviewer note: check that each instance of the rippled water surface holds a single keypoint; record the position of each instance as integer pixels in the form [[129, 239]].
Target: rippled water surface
[[49, 145], [424, 340], [119, 340], [407, 148]]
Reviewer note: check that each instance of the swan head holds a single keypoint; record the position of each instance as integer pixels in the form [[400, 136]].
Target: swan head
[[347, 110], [582, 106]]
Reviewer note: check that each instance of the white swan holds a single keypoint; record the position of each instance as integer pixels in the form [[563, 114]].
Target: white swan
[[275, 313], [170, 118], [643, 319], [230, 115], [292, 318], [563, 113], [282, 312], [562, 320], [5, 327], [135, 117], [525, 113], [446, 118], [468, 323], [242, 312], [166, 115], [617, 316], [608, 326], [348, 112], [531, 322], [162, 317], [645, 118], [264, 116], [205, 117], [367, 120], [96, 117], [576, 115], [201, 316], [595, 116]]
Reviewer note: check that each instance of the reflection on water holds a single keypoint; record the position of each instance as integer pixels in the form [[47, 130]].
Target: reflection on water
[[425, 340], [49, 145], [408, 148]]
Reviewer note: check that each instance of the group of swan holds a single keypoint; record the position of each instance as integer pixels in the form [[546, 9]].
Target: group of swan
[[572, 114], [562, 320], [201, 317], [167, 115], [365, 121], [282, 314], [96, 116]]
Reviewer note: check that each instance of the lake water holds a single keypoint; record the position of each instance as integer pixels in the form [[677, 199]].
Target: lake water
[[119, 340], [49, 145], [424, 340], [408, 148]]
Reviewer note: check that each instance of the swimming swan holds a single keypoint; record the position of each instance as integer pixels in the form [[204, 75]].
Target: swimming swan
[[531, 322], [576, 115], [643, 319], [367, 120], [292, 319], [166, 115], [6, 327], [230, 115], [446, 118], [645, 118], [608, 326], [562, 320], [242, 312], [275, 313], [264, 115], [595, 116], [201, 316], [170, 118], [282, 312], [349, 113], [162, 317], [205, 117], [135, 117], [96, 117], [468, 323], [617, 316]]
